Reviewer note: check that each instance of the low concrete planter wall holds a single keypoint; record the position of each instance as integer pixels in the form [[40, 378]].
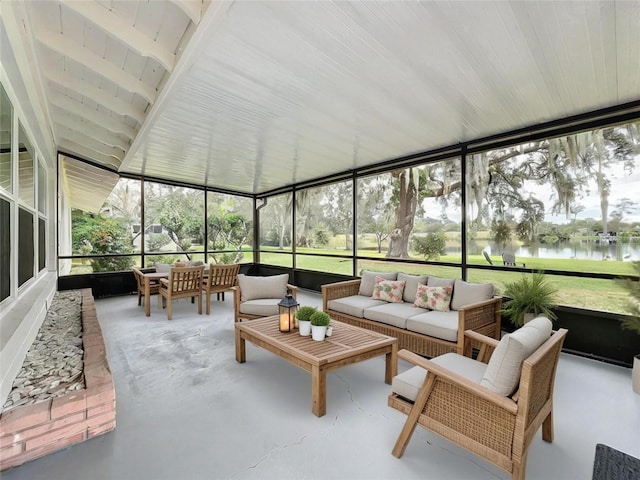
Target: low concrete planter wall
[[32, 431]]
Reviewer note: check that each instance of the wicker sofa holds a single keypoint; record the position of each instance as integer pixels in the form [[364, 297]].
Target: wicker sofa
[[421, 330]]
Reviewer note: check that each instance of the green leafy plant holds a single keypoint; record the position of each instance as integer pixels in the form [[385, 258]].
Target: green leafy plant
[[320, 319], [633, 306], [531, 293], [431, 246], [304, 313]]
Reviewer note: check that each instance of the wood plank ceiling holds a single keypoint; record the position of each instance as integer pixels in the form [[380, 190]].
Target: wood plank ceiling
[[251, 96]]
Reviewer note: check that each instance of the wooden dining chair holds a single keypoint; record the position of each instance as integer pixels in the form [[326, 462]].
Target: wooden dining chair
[[221, 278], [183, 282], [154, 287]]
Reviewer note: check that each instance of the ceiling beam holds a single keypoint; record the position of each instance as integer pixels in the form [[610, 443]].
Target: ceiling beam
[[97, 117], [191, 8], [79, 54], [91, 143], [92, 133], [98, 95], [119, 29], [84, 152]]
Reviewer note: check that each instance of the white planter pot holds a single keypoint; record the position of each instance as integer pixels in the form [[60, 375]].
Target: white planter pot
[[635, 374], [318, 332], [305, 328]]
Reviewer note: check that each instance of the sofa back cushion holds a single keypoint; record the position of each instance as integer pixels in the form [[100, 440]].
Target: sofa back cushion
[[465, 293], [388, 290], [369, 280], [411, 283], [252, 288], [440, 282], [503, 370]]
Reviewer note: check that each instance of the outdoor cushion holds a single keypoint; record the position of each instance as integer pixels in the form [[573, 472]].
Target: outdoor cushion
[[195, 263], [443, 325], [368, 281], [253, 288], [163, 267], [388, 290], [395, 314], [353, 305], [433, 298], [465, 293], [408, 383], [503, 370], [440, 282], [411, 283], [263, 307]]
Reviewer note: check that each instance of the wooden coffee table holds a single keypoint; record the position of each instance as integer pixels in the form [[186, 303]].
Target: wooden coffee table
[[347, 345]]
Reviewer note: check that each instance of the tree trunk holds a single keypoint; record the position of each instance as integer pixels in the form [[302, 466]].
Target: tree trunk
[[405, 214]]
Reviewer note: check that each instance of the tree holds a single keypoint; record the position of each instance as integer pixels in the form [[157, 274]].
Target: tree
[[338, 210], [375, 211], [406, 193], [227, 230], [501, 232], [98, 234], [431, 246]]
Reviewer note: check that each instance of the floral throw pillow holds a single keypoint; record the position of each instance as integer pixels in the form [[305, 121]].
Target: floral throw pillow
[[388, 290], [433, 298]]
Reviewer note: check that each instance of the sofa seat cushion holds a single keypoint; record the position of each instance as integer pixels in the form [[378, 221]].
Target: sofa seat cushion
[[353, 305], [395, 314], [408, 383], [466, 293], [263, 307], [442, 325], [503, 370]]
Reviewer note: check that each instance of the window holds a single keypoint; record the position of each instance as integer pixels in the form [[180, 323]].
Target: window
[[230, 228], [568, 204], [276, 217], [5, 248], [26, 158], [6, 128], [175, 216], [26, 252]]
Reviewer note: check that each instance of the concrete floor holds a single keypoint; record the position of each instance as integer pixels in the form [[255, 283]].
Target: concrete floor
[[187, 410]]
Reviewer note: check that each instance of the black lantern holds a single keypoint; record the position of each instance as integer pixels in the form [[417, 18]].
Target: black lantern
[[287, 309]]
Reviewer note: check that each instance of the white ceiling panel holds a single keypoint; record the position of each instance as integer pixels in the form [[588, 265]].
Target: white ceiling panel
[[256, 95]]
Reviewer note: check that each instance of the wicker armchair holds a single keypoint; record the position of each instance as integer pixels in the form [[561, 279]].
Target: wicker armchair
[[496, 427], [257, 297]]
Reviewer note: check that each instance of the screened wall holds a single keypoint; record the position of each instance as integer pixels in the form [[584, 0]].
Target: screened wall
[[564, 204]]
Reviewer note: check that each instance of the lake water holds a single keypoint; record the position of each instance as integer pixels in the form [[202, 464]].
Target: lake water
[[587, 249]]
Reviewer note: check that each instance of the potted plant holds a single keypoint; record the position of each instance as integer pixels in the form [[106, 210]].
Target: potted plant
[[529, 296], [633, 322], [304, 319], [319, 323]]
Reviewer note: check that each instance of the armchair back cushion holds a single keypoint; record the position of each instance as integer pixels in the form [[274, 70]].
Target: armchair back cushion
[[254, 288], [503, 370], [368, 281], [465, 293]]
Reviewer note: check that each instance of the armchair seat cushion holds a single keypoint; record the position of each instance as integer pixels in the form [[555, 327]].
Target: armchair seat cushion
[[443, 325], [395, 314], [407, 384], [263, 307], [354, 305]]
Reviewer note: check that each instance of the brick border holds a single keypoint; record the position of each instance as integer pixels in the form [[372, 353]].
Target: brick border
[[33, 431]]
